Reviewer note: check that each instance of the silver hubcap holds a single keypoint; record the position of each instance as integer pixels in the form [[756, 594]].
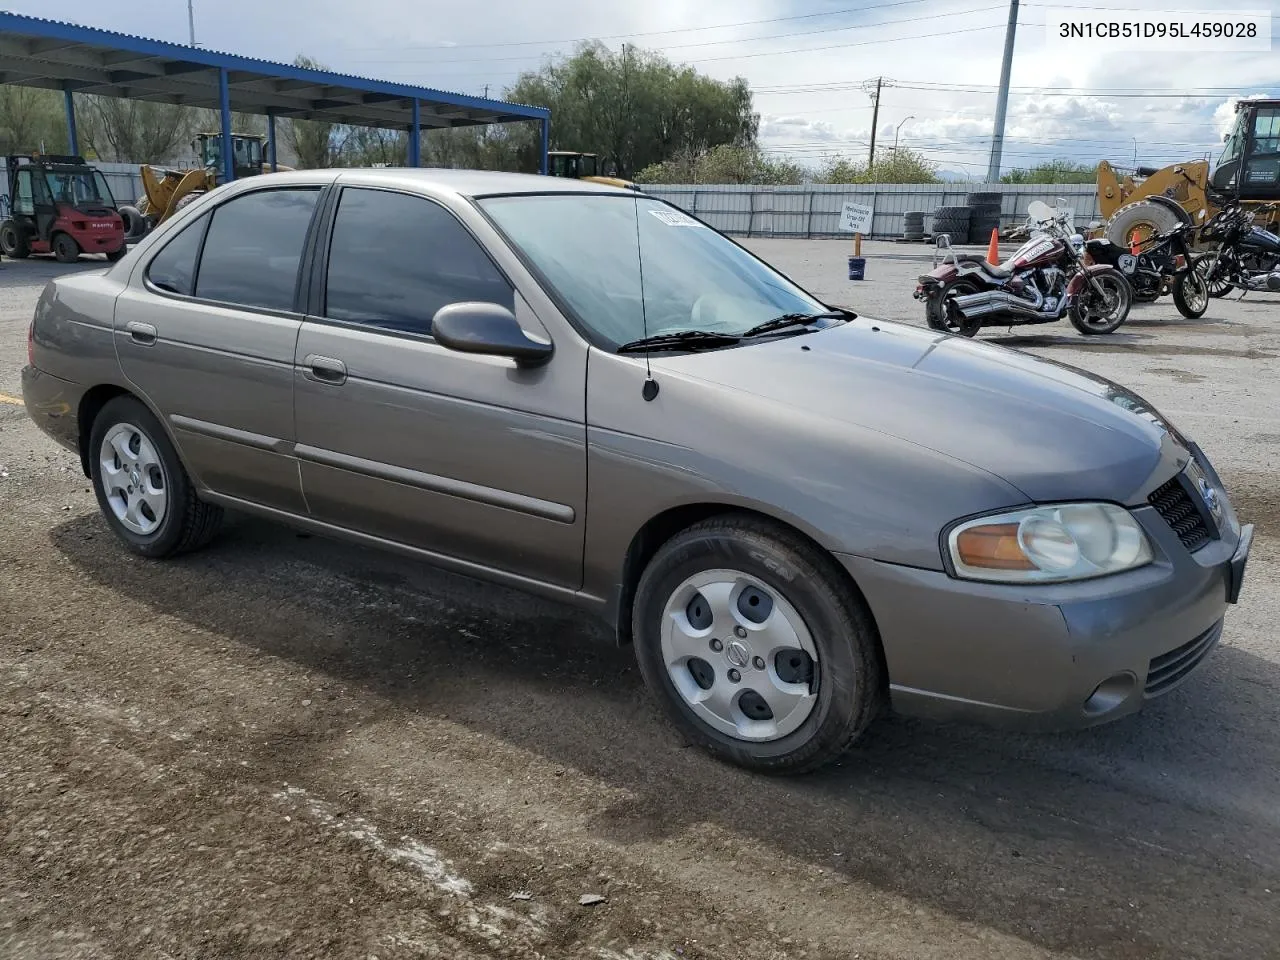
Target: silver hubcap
[[740, 655], [133, 479]]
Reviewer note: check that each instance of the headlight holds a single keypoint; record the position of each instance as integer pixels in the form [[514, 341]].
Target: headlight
[[1073, 541]]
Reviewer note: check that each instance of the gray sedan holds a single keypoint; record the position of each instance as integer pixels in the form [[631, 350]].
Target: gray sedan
[[799, 517]]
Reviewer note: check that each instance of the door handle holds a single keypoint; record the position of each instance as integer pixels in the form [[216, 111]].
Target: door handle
[[325, 369], [141, 333]]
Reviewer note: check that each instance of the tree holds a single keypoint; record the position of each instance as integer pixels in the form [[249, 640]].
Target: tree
[[116, 129], [31, 120], [315, 143], [1052, 171], [723, 164], [895, 166], [634, 108]]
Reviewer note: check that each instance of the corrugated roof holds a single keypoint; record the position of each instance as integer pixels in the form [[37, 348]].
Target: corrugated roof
[[59, 55]]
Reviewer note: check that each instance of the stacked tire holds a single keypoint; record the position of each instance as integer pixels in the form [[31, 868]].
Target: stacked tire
[[913, 226], [985, 215], [953, 221]]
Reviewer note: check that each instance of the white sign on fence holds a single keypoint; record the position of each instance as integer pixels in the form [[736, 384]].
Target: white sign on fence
[[856, 217]]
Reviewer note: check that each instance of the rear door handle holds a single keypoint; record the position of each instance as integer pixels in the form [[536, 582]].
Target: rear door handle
[[325, 369], [141, 333]]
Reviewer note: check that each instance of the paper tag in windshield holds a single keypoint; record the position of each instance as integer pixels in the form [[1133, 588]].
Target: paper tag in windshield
[[674, 218]]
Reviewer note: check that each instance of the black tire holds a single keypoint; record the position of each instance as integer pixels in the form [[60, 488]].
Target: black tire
[[135, 224], [188, 522], [117, 255], [984, 199], [64, 247], [13, 241], [1191, 292], [939, 315], [848, 678], [1090, 324], [952, 213]]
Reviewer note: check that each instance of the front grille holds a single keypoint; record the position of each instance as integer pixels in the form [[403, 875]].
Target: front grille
[[1174, 503], [1169, 669]]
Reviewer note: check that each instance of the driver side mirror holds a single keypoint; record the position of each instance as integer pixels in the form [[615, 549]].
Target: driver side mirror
[[487, 328]]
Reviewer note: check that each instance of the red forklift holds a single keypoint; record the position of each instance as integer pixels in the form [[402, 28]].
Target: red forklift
[[59, 205]]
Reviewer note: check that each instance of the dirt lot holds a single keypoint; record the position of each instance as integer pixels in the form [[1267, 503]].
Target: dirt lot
[[284, 747]]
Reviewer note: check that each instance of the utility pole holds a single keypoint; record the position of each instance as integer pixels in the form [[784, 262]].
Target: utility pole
[[1002, 98], [875, 119], [191, 20]]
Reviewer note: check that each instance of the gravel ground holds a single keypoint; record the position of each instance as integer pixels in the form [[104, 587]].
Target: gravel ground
[[285, 747]]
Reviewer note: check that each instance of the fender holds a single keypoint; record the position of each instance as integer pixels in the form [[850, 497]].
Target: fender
[[1170, 204], [1076, 283]]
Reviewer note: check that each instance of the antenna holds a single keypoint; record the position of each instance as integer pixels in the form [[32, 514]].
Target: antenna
[[650, 388]]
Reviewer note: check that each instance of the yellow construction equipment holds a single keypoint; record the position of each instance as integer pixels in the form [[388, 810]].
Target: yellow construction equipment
[[1150, 201], [167, 191], [581, 166]]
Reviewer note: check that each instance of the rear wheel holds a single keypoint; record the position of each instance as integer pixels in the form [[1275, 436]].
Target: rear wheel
[[143, 491], [13, 241], [1191, 292], [755, 646], [941, 313], [65, 248], [116, 255], [1145, 217], [1095, 312]]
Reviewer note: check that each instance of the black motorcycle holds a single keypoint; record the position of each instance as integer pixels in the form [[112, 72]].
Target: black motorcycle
[[1162, 264], [1246, 257]]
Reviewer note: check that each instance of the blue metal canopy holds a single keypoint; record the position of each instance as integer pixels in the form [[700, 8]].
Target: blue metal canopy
[[65, 56]]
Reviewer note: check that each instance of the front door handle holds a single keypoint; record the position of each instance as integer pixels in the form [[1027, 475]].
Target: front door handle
[[325, 369], [141, 333]]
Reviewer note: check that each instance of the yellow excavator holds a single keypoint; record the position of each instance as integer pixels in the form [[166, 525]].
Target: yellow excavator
[[1151, 201], [582, 166], [166, 191]]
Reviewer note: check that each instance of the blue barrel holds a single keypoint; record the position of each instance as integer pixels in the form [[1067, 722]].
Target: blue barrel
[[857, 268]]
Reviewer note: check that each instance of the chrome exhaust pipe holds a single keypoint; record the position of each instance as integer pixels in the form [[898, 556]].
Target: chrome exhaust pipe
[[977, 305]]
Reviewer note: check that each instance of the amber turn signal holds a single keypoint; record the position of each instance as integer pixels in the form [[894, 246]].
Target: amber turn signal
[[993, 547]]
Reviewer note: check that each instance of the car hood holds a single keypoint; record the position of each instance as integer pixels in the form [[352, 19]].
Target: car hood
[[1053, 431]]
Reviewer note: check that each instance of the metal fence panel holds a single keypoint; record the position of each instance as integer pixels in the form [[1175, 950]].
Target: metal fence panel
[[813, 210]]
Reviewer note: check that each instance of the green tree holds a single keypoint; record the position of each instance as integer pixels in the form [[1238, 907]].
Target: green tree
[[1052, 171], [895, 166], [31, 120], [121, 130], [635, 108], [723, 164]]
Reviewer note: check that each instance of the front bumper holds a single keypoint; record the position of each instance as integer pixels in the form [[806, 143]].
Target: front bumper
[[1053, 656]]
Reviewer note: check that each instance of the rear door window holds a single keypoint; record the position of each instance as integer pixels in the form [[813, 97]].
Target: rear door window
[[254, 248], [395, 259]]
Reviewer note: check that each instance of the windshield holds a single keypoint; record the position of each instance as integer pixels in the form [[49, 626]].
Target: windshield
[[635, 267], [1235, 140], [79, 187]]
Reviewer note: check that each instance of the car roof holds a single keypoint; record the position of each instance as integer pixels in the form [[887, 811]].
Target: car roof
[[463, 183]]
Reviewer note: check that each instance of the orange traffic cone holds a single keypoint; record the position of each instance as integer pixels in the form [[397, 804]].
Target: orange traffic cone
[[993, 248], [1135, 245]]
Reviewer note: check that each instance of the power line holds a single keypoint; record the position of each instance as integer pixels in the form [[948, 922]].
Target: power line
[[656, 33]]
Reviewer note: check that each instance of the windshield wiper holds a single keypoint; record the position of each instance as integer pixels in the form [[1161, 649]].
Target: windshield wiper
[[683, 340], [795, 320]]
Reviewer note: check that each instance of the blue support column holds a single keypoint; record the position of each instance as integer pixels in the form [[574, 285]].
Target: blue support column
[[545, 123], [228, 156], [73, 142], [415, 135], [271, 141]]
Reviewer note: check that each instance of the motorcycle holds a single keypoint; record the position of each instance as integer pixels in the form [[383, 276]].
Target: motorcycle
[[1246, 257], [1162, 264], [1045, 280]]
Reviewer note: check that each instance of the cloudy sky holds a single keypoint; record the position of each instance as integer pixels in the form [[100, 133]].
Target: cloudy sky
[[807, 60]]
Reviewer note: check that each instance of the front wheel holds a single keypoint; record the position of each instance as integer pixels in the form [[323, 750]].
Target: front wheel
[[13, 241], [756, 646], [941, 313], [1191, 291], [1105, 309], [65, 248]]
